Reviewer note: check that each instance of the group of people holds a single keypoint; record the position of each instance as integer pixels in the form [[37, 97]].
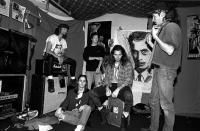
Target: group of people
[[165, 44]]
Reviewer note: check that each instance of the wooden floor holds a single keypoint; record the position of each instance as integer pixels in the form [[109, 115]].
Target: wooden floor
[[138, 121]]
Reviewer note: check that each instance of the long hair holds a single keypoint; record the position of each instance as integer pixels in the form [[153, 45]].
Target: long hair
[[124, 58], [85, 88]]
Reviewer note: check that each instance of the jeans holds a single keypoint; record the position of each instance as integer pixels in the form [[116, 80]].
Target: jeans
[[76, 117], [162, 94], [93, 76], [125, 94], [51, 59]]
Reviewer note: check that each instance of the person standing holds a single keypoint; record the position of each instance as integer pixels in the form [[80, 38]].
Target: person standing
[[93, 56], [54, 51], [166, 60]]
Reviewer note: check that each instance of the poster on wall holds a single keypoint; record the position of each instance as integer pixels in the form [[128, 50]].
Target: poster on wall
[[193, 35], [139, 52], [5, 7], [103, 28], [18, 12]]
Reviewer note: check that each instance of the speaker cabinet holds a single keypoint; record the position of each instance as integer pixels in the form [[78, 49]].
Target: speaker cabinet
[[45, 101], [39, 67]]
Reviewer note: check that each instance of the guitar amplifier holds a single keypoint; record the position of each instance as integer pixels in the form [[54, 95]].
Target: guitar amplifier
[[41, 68], [43, 100]]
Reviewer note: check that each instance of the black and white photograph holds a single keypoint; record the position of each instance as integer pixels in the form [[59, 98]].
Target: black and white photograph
[[99, 65], [18, 12], [193, 34]]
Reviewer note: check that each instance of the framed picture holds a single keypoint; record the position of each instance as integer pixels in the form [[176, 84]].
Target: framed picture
[[193, 36], [18, 12]]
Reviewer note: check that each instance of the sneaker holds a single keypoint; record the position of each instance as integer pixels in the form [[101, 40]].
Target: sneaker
[[79, 128], [51, 85], [28, 115]]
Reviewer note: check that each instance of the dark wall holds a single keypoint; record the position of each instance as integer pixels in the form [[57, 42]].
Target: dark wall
[[41, 31], [187, 90]]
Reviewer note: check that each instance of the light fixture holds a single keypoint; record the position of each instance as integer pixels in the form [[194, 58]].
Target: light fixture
[[27, 24]]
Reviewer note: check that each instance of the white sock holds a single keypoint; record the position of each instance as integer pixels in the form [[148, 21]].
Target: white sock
[[99, 108], [125, 114], [73, 77], [50, 77], [79, 127]]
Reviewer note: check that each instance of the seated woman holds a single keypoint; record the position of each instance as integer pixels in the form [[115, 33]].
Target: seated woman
[[76, 108], [117, 82]]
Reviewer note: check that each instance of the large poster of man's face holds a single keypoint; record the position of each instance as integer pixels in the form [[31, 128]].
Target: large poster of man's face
[[139, 52]]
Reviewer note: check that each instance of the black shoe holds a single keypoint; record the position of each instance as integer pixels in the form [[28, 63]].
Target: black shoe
[[124, 122], [62, 83], [104, 114], [51, 85], [145, 129]]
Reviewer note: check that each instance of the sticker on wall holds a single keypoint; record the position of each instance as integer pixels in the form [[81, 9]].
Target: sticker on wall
[[5, 7], [18, 12], [193, 35]]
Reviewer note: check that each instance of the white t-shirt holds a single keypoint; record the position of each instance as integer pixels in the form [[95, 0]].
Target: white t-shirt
[[57, 46]]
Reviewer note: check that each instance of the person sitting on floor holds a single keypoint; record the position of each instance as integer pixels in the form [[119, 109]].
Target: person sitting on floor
[[76, 107]]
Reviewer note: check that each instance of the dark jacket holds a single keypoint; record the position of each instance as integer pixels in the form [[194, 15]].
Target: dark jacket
[[71, 102]]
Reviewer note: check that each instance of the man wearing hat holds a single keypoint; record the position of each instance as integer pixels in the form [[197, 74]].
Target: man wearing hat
[[166, 59], [55, 48]]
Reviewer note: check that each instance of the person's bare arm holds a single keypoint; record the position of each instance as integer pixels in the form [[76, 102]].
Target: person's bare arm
[[169, 49], [48, 50], [99, 65]]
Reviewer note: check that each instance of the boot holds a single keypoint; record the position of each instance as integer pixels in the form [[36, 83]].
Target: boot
[[62, 82], [124, 123], [51, 88], [104, 114]]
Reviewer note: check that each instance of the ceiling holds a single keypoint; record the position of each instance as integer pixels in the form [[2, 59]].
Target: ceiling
[[89, 9], [42, 4]]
